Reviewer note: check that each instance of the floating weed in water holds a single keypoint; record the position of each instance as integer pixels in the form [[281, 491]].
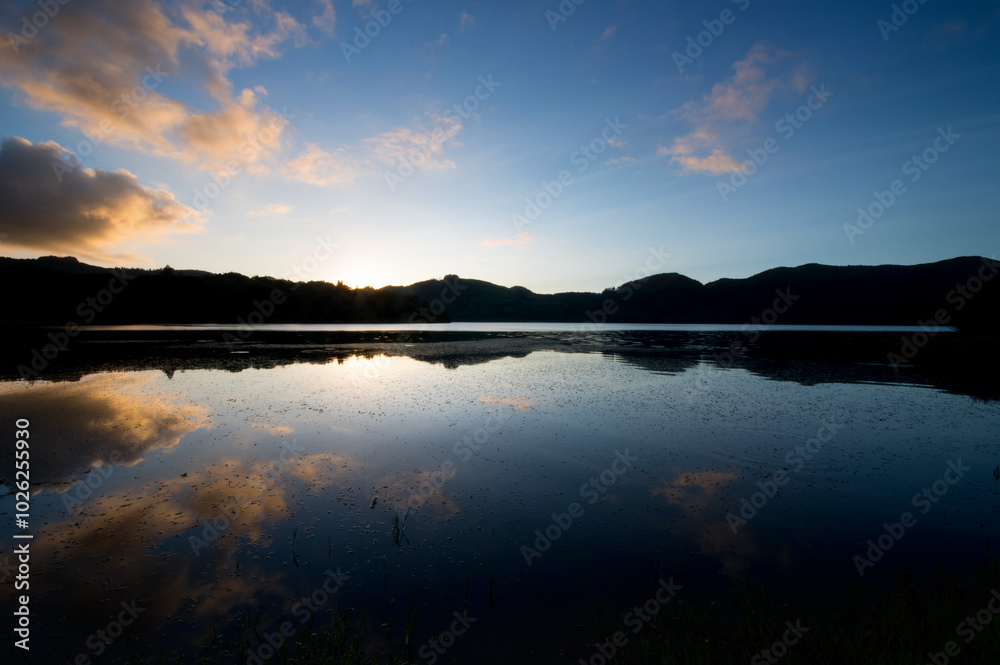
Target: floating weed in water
[[411, 620], [399, 528]]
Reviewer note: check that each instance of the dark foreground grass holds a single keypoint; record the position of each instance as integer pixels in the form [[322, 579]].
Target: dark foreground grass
[[908, 619], [939, 618]]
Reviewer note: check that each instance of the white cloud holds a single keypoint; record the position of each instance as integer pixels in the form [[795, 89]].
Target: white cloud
[[419, 146], [465, 20], [521, 241], [271, 209]]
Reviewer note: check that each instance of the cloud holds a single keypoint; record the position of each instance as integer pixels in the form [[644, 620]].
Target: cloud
[[48, 205], [103, 68], [522, 402], [271, 209], [327, 21], [465, 20], [609, 33], [744, 95], [420, 147], [683, 151], [315, 166], [520, 241], [99, 420], [614, 161], [734, 103], [702, 498], [717, 163]]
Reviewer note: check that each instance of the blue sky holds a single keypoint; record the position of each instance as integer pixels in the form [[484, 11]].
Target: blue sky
[[329, 143]]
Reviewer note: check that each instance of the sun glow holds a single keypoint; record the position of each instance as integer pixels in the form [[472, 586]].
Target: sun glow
[[355, 276]]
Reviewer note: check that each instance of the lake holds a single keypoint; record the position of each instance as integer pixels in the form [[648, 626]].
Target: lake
[[509, 483]]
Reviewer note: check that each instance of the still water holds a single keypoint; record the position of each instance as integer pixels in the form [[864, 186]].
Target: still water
[[532, 492]]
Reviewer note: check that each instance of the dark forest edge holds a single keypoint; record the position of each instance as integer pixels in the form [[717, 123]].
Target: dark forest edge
[[957, 292]]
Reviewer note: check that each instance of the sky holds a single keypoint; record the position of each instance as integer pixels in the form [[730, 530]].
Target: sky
[[566, 145]]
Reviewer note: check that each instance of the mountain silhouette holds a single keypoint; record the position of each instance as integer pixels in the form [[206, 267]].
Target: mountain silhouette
[[811, 294], [960, 291]]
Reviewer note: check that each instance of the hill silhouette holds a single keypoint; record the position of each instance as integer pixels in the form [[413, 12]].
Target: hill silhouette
[[810, 294], [54, 291]]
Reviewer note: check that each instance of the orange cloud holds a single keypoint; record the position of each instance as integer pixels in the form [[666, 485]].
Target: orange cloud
[[327, 20], [701, 495], [522, 402], [732, 103], [100, 419], [117, 96], [48, 204]]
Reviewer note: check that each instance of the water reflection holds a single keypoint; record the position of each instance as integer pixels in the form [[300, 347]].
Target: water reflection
[[808, 357], [101, 420], [243, 479]]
